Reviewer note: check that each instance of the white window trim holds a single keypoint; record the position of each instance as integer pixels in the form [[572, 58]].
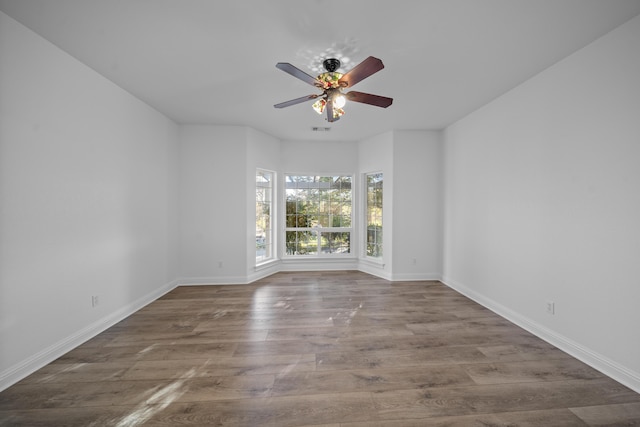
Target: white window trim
[[319, 257], [377, 261], [273, 220]]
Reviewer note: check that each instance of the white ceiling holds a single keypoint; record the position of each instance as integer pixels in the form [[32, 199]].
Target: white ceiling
[[213, 62]]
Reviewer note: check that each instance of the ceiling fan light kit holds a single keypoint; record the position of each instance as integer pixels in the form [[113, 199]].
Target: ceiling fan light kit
[[331, 82]]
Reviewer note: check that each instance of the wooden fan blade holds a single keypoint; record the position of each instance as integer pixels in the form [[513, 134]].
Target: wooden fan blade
[[296, 72], [367, 98], [361, 71], [296, 101]]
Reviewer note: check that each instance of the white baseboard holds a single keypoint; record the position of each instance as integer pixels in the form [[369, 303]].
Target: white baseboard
[[319, 264], [15, 373], [261, 273], [592, 358], [415, 277], [284, 265], [264, 270], [213, 280], [374, 268]]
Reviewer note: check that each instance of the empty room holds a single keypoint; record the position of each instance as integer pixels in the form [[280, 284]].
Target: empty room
[[319, 213]]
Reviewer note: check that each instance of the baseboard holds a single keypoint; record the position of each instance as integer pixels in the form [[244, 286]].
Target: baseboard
[[264, 270], [213, 280], [25, 368], [365, 266], [415, 277], [375, 268], [319, 264], [597, 361]]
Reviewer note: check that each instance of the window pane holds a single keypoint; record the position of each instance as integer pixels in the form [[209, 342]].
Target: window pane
[[291, 221], [374, 215], [323, 220], [264, 231], [301, 243], [313, 203], [335, 242]]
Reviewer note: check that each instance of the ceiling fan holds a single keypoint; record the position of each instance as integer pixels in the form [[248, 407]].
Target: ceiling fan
[[332, 83]]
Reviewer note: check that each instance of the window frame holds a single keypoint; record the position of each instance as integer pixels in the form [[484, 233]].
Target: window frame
[[319, 230], [270, 233], [365, 219]]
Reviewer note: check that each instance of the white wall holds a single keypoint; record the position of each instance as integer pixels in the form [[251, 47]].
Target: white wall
[[542, 190], [412, 217], [213, 209], [417, 205], [319, 157], [87, 202]]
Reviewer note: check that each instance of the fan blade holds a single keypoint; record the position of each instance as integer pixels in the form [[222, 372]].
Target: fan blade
[[329, 108], [361, 71], [367, 98], [296, 72], [296, 101]]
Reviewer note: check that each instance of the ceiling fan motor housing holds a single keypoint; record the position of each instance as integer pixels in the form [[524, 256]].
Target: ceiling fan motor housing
[[331, 64]]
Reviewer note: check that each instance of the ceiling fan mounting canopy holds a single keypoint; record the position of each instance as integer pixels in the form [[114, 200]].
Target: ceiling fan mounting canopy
[[332, 83], [331, 64]]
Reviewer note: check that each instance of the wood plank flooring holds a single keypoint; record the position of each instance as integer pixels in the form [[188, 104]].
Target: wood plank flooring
[[317, 349]]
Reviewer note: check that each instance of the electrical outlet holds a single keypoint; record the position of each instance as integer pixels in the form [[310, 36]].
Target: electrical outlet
[[551, 307], [219, 264], [94, 301]]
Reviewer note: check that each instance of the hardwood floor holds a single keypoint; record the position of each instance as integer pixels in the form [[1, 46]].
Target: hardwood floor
[[323, 349]]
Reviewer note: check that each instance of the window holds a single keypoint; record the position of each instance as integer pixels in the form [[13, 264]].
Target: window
[[318, 215], [264, 208], [374, 215]]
